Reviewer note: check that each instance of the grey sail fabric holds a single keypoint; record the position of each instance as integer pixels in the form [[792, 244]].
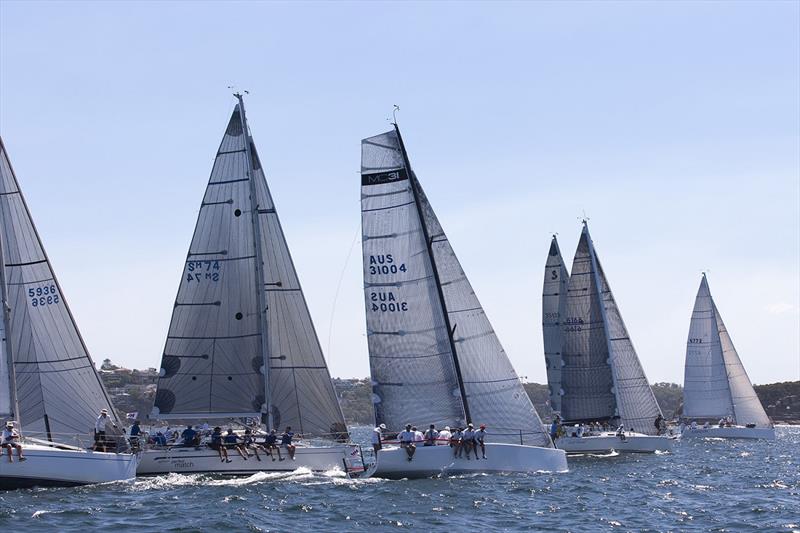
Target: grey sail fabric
[[636, 403], [715, 382], [212, 363], [586, 375], [214, 358], [554, 301], [706, 393], [59, 391], [302, 393], [411, 362], [602, 376], [409, 302]]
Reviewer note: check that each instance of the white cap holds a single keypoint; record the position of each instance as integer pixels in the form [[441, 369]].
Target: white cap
[[382, 426]]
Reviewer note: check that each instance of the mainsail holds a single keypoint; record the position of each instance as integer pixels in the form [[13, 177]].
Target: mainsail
[[554, 301], [241, 342], [434, 357], [715, 382], [602, 377], [58, 389]]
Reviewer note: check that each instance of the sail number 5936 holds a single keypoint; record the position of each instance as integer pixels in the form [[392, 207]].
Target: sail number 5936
[[44, 295]]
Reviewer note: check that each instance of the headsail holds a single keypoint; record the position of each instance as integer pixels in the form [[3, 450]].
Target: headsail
[[715, 382], [433, 353], [230, 315], [554, 300], [59, 391], [602, 376]]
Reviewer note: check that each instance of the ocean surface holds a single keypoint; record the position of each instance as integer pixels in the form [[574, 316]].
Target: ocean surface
[[704, 485]]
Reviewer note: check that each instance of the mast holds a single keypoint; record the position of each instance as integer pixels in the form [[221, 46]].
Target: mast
[[260, 280], [12, 379], [597, 285], [428, 243], [718, 337]]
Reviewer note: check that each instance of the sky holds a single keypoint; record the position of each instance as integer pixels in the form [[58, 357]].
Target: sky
[[674, 127]]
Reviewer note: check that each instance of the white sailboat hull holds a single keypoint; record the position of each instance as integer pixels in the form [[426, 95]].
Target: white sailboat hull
[[429, 461], [735, 432], [633, 442], [52, 467], [205, 460]]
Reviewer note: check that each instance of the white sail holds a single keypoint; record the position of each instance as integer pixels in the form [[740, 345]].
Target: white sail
[[454, 365], [706, 393], [239, 302], [554, 300], [715, 382], [59, 391], [602, 376]]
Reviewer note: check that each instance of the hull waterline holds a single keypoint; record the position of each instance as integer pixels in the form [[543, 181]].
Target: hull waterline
[[632, 443]]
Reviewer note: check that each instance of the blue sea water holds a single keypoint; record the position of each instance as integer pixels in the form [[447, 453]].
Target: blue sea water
[[704, 485]]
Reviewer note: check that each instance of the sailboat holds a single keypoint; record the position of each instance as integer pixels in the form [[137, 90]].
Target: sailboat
[[48, 383], [241, 344], [554, 299], [716, 389], [434, 357], [602, 378]]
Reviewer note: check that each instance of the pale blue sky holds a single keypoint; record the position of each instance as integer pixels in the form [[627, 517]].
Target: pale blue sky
[[675, 126]]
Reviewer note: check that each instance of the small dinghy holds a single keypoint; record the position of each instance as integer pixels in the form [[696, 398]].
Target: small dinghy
[[434, 357], [601, 379], [718, 398], [48, 382], [241, 344]]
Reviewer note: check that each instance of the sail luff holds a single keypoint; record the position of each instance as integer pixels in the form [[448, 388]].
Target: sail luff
[[260, 279], [554, 298], [450, 331], [9, 406]]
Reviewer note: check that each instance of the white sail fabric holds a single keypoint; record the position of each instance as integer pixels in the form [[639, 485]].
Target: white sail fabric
[[602, 376], [59, 391], [494, 393], [212, 362], [302, 393], [554, 301], [747, 407], [706, 393], [715, 382], [411, 362]]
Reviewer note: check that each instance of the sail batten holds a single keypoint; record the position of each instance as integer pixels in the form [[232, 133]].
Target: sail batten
[[455, 367]]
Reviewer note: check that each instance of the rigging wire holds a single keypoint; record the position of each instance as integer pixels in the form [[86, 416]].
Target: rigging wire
[[338, 288]]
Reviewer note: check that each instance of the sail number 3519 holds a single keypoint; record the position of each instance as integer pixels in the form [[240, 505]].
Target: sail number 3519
[[44, 295]]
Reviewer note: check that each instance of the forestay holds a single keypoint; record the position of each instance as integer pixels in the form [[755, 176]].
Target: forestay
[[59, 391], [415, 357], [602, 376], [554, 301], [214, 358], [715, 382]]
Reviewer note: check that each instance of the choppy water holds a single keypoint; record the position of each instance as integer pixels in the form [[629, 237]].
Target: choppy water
[[712, 485]]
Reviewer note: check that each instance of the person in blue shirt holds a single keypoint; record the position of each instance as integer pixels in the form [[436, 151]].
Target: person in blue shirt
[[188, 436], [249, 443], [216, 444], [136, 431], [286, 441], [271, 443], [232, 441], [160, 439]]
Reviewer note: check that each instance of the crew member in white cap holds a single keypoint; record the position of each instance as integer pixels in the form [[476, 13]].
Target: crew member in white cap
[[376, 437], [100, 441], [11, 440]]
